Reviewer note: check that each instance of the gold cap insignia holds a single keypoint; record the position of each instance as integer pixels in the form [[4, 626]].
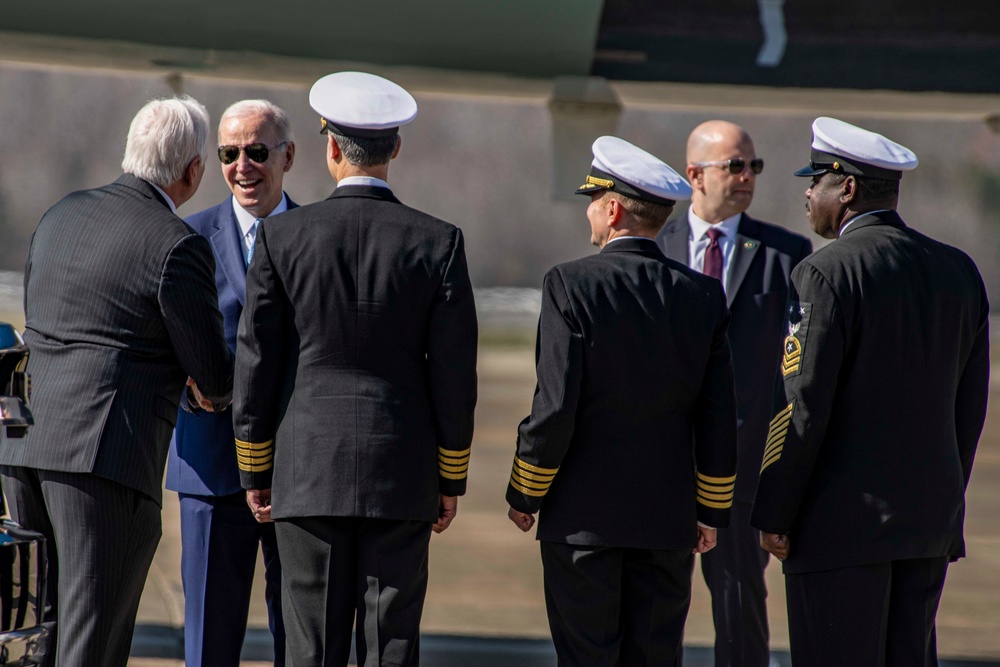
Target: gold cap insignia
[[836, 165]]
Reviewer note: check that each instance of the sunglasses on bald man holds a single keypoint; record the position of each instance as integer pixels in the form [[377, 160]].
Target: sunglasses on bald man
[[255, 152], [734, 165]]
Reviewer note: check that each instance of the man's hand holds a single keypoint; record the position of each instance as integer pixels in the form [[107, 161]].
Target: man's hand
[[521, 520], [447, 509], [707, 538], [203, 402], [776, 545], [259, 501]]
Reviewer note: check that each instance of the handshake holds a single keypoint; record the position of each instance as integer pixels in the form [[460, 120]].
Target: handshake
[[196, 401]]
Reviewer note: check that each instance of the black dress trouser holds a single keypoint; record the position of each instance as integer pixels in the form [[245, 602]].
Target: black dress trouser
[[614, 606], [335, 567]]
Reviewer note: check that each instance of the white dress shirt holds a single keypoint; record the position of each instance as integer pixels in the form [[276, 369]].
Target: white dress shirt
[[698, 243], [170, 202], [363, 180], [849, 222], [245, 220]]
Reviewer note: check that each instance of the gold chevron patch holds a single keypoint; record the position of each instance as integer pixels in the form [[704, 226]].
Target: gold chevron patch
[[793, 356], [776, 434], [453, 464], [716, 492], [531, 480]]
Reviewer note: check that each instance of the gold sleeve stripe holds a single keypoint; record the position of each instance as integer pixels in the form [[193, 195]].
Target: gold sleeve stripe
[[453, 475], [715, 496], [258, 458], [786, 412], [526, 491], [533, 476], [728, 488], [517, 479], [255, 468], [456, 469], [776, 434], [715, 505], [255, 446], [776, 439], [454, 461], [716, 480], [454, 453], [780, 419], [768, 460], [530, 468]]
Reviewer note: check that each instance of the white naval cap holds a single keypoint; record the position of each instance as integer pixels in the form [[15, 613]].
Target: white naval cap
[[847, 149], [621, 167], [358, 104]]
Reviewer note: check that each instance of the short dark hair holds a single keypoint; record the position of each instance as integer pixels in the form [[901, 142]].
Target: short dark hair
[[648, 216], [873, 188], [367, 151]]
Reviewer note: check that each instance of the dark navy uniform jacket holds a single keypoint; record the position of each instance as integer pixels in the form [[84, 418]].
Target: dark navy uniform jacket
[[632, 434], [886, 374], [356, 360]]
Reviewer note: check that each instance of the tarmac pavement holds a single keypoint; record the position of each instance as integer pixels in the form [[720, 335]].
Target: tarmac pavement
[[484, 602]]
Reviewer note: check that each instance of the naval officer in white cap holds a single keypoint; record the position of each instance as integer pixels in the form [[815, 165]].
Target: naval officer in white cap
[[885, 378], [633, 367], [353, 407]]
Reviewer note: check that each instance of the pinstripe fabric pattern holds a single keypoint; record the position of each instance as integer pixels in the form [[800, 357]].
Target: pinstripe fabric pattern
[[120, 305], [106, 535]]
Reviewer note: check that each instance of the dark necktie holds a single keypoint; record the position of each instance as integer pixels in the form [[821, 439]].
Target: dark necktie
[[713, 254]]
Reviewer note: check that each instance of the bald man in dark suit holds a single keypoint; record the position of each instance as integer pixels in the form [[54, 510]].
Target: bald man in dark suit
[[753, 260]]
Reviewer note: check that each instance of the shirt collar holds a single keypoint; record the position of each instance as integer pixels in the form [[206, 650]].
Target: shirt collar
[[245, 219], [700, 227], [363, 180], [851, 221], [170, 202]]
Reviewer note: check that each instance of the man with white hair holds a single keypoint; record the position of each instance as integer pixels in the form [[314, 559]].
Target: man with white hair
[[120, 308], [219, 535]]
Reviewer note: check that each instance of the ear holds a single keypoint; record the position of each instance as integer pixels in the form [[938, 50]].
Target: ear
[[399, 144], [289, 155], [615, 211], [191, 172], [332, 149], [849, 190], [694, 173]]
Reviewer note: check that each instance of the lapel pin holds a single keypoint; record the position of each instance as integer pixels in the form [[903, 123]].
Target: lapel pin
[[749, 244]]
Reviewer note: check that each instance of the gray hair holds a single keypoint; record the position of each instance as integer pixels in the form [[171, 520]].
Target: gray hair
[[274, 115], [367, 151], [164, 137]]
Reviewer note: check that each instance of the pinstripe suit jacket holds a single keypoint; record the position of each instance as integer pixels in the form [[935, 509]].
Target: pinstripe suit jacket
[[120, 306]]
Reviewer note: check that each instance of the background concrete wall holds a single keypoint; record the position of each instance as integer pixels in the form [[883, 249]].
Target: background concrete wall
[[483, 151]]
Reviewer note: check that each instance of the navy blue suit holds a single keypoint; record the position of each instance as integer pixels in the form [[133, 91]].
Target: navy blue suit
[[219, 535]]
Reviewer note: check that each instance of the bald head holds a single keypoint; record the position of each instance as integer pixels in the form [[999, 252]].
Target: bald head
[[706, 140], [717, 193]]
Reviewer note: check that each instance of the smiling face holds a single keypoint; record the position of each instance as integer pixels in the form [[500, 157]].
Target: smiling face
[[719, 194], [256, 186]]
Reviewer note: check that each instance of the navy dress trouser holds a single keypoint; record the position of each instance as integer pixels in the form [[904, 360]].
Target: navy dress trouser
[[219, 539]]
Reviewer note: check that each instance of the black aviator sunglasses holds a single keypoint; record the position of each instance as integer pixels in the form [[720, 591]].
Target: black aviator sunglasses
[[734, 165], [255, 153]]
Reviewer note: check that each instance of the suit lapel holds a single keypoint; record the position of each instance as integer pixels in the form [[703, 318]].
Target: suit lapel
[[747, 246], [676, 244], [228, 248]]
